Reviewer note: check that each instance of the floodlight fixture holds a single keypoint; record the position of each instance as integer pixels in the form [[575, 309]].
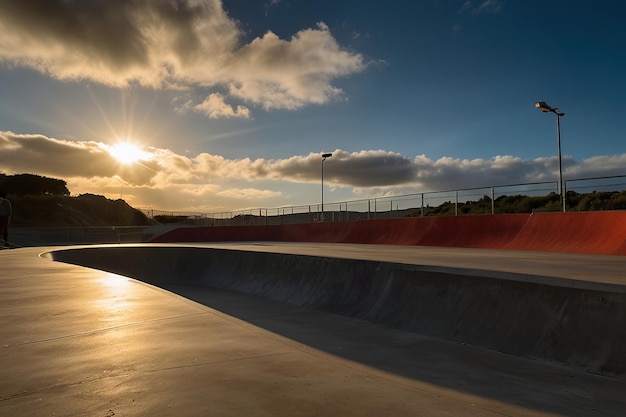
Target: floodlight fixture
[[544, 107]]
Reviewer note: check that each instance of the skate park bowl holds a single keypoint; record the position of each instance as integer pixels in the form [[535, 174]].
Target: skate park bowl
[[577, 322], [543, 315]]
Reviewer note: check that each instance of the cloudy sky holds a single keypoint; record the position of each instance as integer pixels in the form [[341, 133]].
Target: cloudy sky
[[227, 105]]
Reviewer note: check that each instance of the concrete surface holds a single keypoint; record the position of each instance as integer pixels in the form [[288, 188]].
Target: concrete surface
[[83, 342], [582, 268], [572, 321]]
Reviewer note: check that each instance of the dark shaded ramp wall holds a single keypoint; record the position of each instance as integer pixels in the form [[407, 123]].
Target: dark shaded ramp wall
[[576, 323], [579, 232]]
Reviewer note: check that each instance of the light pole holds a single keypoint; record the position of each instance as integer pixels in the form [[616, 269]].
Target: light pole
[[324, 156], [543, 106]]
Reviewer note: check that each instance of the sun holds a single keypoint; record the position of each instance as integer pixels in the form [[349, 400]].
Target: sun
[[127, 153]]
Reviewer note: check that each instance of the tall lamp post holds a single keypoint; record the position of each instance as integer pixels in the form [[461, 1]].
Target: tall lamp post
[[543, 106], [324, 156]]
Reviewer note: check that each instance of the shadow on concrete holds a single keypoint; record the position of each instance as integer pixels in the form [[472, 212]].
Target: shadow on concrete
[[335, 306], [536, 385]]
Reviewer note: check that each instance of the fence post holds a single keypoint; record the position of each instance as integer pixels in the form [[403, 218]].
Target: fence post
[[456, 202], [493, 211]]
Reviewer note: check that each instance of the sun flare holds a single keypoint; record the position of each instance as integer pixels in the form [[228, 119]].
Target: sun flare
[[127, 153]]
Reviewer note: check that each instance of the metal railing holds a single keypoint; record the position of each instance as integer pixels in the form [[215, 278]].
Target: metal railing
[[481, 200], [417, 204], [607, 183]]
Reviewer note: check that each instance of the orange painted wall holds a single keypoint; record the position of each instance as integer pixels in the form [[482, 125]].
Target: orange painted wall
[[577, 232], [580, 232]]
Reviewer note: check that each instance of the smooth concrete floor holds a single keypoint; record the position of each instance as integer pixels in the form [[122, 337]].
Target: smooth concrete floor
[[82, 342]]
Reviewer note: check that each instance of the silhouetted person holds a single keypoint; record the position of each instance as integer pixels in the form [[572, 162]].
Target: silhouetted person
[[5, 217]]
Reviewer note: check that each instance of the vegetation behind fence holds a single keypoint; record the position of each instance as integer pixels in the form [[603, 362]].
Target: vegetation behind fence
[[585, 194]]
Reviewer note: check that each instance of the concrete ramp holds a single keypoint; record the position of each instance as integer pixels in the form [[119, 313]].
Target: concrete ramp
[[581, 232], [576, 323]]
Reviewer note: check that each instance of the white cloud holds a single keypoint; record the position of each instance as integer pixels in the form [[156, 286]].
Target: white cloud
[[275, 73], [209, 183], [215, 107], [248, 193], [174, 44]]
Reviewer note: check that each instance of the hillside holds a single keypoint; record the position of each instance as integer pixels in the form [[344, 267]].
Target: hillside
[[46, 202], [64, 211]]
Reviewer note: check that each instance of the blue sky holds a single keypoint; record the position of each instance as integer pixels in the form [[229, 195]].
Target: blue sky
[[232, 102]]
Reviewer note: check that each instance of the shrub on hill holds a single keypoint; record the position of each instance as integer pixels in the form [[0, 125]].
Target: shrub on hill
[[594, 201], [64, 211], [29, 184], [46, 202]]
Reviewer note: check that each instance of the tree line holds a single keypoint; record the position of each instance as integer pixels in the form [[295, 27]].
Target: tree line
[[30, 184], [46, 202]]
